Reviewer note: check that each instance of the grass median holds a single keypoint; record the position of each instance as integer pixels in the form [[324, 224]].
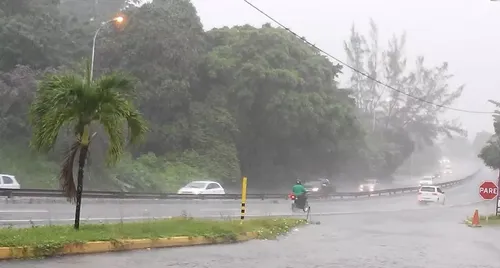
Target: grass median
[[48, 240], [487, 220]]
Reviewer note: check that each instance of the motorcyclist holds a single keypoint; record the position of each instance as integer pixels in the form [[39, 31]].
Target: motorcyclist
[[326, 187], [300, 193]]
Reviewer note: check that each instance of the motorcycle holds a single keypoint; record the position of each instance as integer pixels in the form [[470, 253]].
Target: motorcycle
[[295, 207]]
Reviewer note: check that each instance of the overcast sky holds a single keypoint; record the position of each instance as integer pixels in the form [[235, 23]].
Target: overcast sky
[[465, 33]]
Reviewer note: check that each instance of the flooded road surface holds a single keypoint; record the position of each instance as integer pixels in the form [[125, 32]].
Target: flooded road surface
[[431, 236], [425, 238]]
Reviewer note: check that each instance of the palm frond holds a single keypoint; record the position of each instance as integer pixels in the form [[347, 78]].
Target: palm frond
[[113, 116], [137, 126], [115, 110], [113, 125], [55, 105], [115, 82], [66, 178]]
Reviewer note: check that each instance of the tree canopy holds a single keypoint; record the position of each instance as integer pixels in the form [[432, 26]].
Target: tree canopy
[[228, 102], [490, 152], [406, 119]]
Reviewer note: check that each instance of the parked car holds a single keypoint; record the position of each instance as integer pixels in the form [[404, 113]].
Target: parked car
[[9, 182], [202, 187]]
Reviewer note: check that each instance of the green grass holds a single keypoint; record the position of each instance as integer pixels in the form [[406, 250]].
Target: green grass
[[54, 237], [487, 220]]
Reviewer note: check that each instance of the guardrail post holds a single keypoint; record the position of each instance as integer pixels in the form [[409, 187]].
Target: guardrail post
[[10, 194], [243, 198], [497, 199]]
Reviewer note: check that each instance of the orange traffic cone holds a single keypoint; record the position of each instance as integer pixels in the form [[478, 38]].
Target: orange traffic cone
[[475, 219]]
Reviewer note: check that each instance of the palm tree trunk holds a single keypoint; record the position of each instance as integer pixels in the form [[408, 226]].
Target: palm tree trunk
[[79, 188]]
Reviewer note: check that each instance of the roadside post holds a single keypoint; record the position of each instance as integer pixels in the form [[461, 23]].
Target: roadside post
[[488, 190], [498, 196], [243, 198]]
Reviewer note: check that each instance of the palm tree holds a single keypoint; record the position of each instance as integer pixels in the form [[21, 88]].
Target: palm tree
[[71, 100]]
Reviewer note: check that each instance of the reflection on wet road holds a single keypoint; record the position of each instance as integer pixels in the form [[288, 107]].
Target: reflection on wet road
[[432, 238], [427, 237]]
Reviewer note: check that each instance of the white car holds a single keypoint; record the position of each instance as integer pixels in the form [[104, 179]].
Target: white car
[[368, 186], [9, 182], [431, 194], [447, 170], [202, 187], [426, 180]]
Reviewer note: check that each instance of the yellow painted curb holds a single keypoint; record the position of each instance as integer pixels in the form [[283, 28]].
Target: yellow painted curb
[[7, 253]]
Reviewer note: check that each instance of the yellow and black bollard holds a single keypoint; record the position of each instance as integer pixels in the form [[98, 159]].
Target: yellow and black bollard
[[243, 197]]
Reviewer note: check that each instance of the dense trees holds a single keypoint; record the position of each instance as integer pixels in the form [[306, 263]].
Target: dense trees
[[400, 124], [229, 101], [480, 141], [490, 153], [290, 119], [33, 33]]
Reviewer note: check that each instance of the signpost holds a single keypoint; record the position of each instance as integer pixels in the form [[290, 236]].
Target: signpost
[[488, 190], [498, 196]]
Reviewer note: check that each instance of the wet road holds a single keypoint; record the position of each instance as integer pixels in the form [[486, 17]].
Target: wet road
[[408, 236], [388, 241], [29, 214], [460, 170], [25, 214]]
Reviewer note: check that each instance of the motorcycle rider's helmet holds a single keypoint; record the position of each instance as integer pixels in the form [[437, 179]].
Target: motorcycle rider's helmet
[[298, 182]]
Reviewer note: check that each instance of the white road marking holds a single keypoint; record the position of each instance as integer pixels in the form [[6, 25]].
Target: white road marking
[[219, 209], [275, 214], [23, 211]]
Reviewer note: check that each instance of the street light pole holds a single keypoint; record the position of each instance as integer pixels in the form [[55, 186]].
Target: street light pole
[[374, 120], [118, 20]]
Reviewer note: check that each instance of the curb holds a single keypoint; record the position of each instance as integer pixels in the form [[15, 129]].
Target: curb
[[9, 253], [469, 223]]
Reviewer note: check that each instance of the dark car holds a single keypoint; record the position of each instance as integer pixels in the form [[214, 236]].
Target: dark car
[[321, 186]]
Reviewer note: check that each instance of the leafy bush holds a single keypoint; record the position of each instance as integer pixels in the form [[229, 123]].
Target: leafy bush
[[490, 154], [32, 170], [151, 173]]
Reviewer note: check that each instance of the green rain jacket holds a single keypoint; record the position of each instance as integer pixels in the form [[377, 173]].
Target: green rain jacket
[[298, 189]]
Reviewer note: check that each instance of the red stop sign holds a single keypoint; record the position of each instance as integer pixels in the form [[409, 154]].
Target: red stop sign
[[488, 190]]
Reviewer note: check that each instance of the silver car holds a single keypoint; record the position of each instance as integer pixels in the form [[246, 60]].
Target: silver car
[[368, 185]]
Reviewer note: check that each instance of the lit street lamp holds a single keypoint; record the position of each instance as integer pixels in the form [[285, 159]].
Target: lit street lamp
[[117, 20]]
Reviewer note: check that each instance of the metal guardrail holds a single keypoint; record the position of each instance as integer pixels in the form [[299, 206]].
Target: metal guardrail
[[172, 196]]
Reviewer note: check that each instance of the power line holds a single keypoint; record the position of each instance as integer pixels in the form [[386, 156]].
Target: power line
[[358, 71]]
